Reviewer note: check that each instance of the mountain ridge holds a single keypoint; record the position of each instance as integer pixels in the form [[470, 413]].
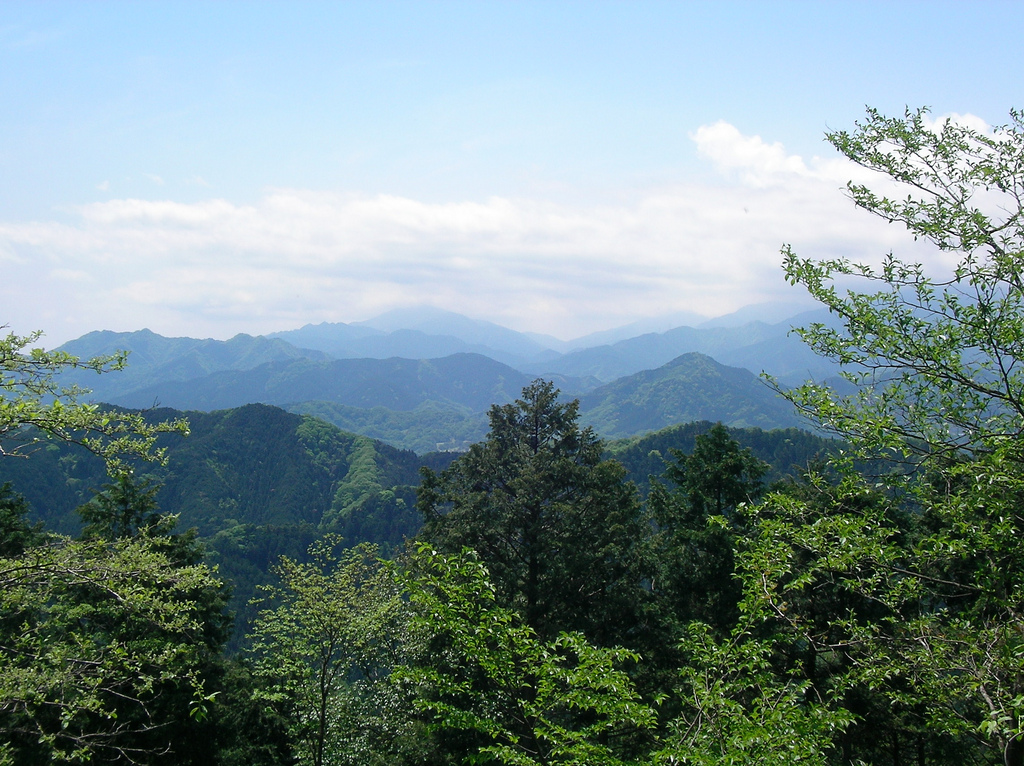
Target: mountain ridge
[[692, 387], [420, 401]]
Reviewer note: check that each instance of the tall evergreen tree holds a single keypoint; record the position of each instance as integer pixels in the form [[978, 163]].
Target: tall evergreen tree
[[698, 527], [561, 532], [125, 507], [16, 534]]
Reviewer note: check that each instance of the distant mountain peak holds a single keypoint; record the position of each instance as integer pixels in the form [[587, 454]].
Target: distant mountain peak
[[771, 312], [412, 317]]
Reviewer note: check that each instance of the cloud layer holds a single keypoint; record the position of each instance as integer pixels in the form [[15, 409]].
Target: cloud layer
[[214, 268]]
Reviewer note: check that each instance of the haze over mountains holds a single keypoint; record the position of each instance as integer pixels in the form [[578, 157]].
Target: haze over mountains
[[423, 379], [258, 482]]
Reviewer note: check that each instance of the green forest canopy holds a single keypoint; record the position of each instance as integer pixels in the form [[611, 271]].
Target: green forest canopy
[[844, 615]]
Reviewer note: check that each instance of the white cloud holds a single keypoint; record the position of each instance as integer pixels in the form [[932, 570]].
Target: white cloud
[[971, 121], [295, 256], [724, 145]]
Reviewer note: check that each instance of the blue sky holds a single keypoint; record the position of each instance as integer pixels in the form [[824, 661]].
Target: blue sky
[[208, 168]]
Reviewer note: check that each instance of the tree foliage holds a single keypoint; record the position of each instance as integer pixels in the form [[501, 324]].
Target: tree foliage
[[698, 527], [325, 643], [107, 642], [91, 630], [530, 702], [559, 529], [934, 348], [905, 595], [34, 405], [126, 507]]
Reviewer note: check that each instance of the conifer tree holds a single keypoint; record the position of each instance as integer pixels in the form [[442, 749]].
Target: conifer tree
[[560, 531]]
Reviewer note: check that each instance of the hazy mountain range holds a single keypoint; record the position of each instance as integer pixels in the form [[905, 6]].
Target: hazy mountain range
[[422, 379]]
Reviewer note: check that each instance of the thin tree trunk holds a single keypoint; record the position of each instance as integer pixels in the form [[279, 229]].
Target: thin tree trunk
[[1013, 752]]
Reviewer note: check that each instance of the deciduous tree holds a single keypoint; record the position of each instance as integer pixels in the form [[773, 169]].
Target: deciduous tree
[[934, 350], [91, 628], [34, 406], [325, 643], [94, 632], [528, 701]]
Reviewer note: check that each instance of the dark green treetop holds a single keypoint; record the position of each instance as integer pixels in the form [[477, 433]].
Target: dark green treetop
[[560, 531], [698, 527]]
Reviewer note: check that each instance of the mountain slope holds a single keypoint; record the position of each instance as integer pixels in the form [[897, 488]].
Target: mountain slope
[[419, 333], [446, 323], [427, 428], [254, 465], [786, 451], [690, 387], [256, 482], [154, 358], [462, 380], [755, 345], [420, 401]]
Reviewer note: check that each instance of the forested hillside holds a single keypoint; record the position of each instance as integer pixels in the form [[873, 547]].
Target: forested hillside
[[692, 387], [255, 482], [427, 428], [258, 482], [864, 607], [784, 452], [466, 380], [424, 404]]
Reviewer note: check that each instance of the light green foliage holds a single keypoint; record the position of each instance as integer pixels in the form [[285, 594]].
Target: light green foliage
[[915, 597], [927, 619], [738, 709], [33, 405], [964, 647], [431, 426], [766, 692], [935, 348], [530, 702], [325, 643], [89, 630], [362, 482], [95, 635]]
